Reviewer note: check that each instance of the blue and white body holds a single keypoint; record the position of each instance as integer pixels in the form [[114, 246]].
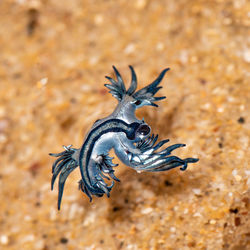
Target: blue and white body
[[128, 136]]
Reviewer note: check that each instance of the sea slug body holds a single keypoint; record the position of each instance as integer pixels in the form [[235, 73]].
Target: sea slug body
[[128, 136]]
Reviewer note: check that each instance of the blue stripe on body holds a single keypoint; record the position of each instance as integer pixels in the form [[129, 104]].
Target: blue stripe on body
[[113, 125]]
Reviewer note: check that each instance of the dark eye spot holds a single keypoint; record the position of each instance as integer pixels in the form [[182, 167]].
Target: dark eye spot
[[138, 102], [144, 130]]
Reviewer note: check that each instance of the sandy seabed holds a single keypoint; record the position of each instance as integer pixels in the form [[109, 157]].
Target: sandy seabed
[[53, 59]]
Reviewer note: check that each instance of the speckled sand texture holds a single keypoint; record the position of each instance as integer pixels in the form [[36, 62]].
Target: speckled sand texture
[[53, 59]]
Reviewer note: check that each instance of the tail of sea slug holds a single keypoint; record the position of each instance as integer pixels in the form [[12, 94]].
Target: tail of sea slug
[[64, 164]]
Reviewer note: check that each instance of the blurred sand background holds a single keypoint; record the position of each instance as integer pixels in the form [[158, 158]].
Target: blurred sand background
[[53, 59]]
